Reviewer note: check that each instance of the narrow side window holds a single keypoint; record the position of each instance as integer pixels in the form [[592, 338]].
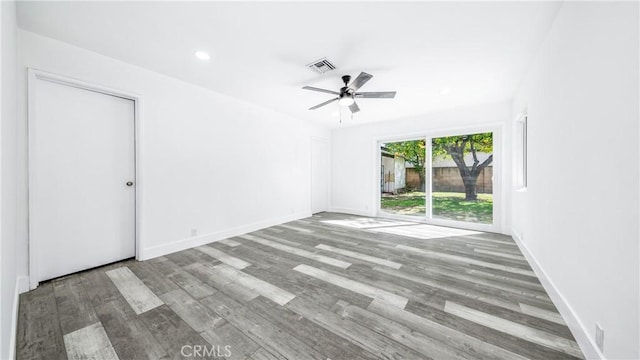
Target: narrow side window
[[522, 161]]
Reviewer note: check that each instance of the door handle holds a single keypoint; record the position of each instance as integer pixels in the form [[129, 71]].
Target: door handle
[[129, 183]]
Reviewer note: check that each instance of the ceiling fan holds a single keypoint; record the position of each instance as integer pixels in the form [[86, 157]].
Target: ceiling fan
[[348, 93]]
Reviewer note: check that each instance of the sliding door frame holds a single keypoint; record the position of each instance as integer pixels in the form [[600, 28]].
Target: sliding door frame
[[498, 176]]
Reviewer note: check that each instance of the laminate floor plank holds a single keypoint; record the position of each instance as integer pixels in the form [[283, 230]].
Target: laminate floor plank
[[129, 336], [74, 307], [435, 295], [539, 337], [207, 274], [323, 293], [318, 244], [230, 341], [191, 256], [261, 256], [148, 274], [137, 294], [458, 273], [90, 342], [434, 269], [404, 335], [39, 335], [364, 289], [476, 349], [448, 287], [253, 283], [504, 273], [260, 330], [394, 285], [432, 254], [296, 228], [501, 254], [360, 335], [229, 242], [285, 237], [262, 354], [99, 287], [308, 244], [527, 283], [356, 255], [320, 339], [299, 252], [486, 282], [452, 249], [190, 310], [172, 332], [223, 257], [488, 335], [542, 313], [183, 279]]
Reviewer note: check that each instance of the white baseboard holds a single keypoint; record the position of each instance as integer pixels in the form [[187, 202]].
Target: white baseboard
[[160, 250], [353, 212], [587, 345]]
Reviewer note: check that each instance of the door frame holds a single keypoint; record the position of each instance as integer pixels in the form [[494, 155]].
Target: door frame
[[33, 76], [499, 194]]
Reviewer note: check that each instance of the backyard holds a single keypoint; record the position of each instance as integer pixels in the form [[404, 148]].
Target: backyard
[[446, 205]]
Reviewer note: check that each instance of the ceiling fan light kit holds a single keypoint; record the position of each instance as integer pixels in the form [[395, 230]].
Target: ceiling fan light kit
[[348, 93], [346, 100]]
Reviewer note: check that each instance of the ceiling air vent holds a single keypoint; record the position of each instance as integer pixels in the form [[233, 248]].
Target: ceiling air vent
[[322, 65]]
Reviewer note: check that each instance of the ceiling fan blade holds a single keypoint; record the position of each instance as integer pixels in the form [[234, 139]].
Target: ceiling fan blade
[[320, 90], [354, 108], [376, 95], [323, 104], [360, 80]]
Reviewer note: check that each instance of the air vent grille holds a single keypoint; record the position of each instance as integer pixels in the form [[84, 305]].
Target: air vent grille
[[322, 65]]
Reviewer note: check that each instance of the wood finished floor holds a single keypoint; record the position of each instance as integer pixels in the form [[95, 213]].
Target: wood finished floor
[[332, 286]]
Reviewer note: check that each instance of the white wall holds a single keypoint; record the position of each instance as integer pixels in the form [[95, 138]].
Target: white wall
[[355, 156], [206, 160], [8, 117], [578, 217]]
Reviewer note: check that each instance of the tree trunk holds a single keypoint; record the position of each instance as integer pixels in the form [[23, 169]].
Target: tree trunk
[[470, 189]]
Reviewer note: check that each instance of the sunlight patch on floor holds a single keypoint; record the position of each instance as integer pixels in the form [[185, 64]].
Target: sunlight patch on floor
[[398, 227], [424, 231], [367, 223]]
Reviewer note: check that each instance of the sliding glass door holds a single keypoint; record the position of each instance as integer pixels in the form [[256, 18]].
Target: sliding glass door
[[445, 180], [402, 185]]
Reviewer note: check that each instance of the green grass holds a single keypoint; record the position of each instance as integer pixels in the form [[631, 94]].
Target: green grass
[[450, 206]]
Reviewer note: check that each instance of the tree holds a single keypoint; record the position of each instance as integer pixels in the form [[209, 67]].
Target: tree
[[456, 147], [413, 152]]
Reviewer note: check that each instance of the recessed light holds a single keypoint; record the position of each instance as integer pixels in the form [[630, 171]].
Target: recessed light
[[202, 55], [445, 91]]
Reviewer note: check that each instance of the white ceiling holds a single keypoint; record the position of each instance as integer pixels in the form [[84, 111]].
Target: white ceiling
[[479, 50]]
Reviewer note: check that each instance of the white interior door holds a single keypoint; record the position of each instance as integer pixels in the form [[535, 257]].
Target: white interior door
[[319, 175], [81, 179]]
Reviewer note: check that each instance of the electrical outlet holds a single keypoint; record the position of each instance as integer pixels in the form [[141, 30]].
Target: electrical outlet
[[600, 337], [194, 232]]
